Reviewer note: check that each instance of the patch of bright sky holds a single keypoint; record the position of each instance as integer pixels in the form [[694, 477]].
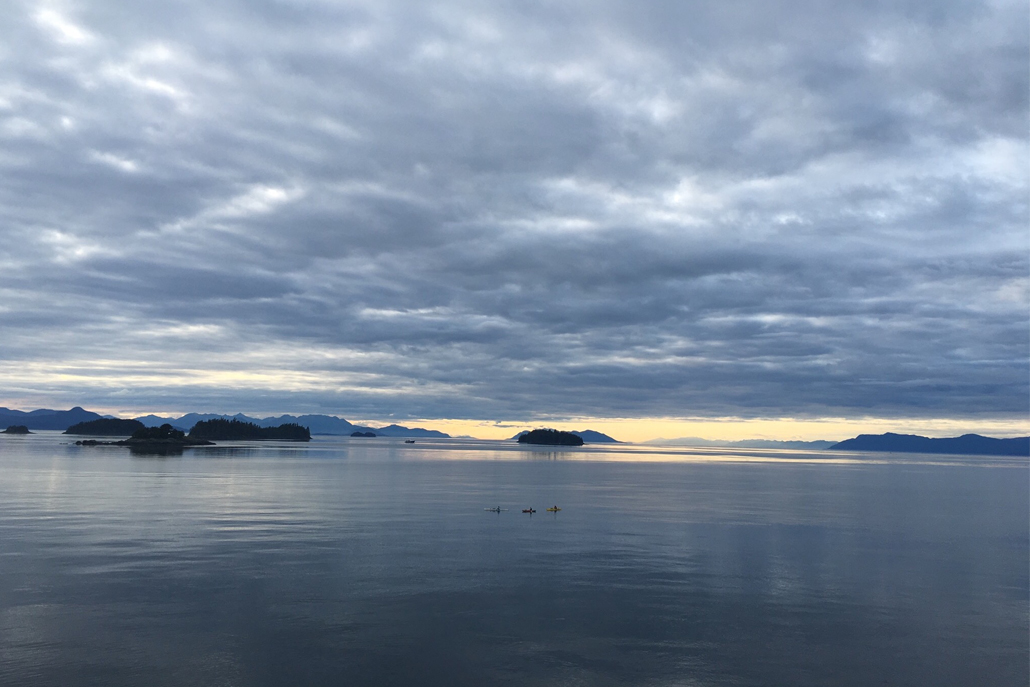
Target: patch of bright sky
[[61, 28]]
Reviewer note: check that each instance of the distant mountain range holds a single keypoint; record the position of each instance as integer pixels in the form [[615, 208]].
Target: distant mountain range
[[45, 418], [588, 436], [967, 444], [746, 443], [318, 424]]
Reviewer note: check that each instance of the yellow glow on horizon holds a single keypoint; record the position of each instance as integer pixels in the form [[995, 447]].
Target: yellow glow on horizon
[[734, 428]]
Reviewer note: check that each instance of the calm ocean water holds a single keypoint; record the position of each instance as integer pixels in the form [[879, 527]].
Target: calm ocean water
[[373, 562]]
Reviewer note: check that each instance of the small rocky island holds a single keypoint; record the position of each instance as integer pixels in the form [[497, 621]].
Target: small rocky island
[[367, 435], [550, 437], [17, 429]]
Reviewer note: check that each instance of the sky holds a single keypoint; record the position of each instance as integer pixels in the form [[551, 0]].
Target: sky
[[723, 219]]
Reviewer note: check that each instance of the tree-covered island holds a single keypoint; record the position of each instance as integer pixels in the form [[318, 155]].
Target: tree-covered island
[[159, 439], [235, 430], [167, 439], [17, 429], [550, 437]]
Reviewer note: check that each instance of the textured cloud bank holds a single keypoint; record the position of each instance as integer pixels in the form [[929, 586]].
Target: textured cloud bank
[[517, 210]]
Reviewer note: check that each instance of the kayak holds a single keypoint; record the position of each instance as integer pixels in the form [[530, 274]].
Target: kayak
[[496, 510], [528, 510], [553, 510]]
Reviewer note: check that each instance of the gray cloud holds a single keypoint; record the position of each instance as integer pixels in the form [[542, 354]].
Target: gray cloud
[[516, 211]]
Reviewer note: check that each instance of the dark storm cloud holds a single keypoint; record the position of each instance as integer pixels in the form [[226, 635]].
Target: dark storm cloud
[[460, 210]]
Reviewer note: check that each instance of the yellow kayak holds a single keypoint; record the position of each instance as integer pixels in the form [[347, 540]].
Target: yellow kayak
[[553, 510]]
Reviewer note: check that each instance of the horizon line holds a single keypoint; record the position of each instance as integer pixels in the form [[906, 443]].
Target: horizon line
[[644, 429]]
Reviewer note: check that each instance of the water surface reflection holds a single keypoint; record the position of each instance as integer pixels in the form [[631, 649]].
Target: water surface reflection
[[346, 561]]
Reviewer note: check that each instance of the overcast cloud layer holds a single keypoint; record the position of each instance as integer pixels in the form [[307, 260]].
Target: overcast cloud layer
[[516, 210]]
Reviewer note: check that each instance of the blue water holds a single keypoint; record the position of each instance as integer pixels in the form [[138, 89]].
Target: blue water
[[373, 562]]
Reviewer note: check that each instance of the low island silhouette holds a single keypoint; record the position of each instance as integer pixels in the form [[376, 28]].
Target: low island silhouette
[[967, 444], [588, 436], [235, 430], [550, 437], [167, 439], [17, 429], [161, 439]]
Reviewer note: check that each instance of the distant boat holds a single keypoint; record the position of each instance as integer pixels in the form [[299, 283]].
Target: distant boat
[[528, 510], [554, 509], [409, 441], [496, 510]]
